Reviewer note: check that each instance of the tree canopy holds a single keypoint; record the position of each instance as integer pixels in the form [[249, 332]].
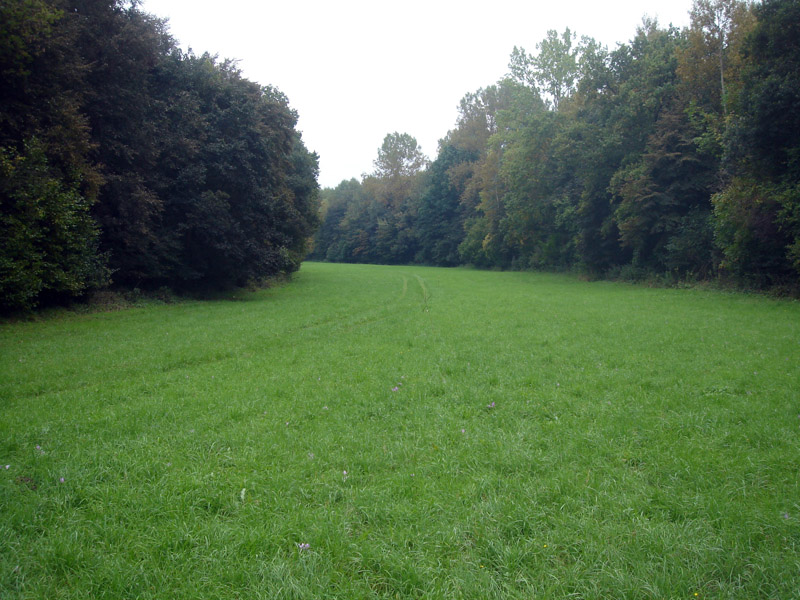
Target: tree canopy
[[674, 155], [125, 161]]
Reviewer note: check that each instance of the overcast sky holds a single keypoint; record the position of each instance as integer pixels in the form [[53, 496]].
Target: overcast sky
[[356, 70]]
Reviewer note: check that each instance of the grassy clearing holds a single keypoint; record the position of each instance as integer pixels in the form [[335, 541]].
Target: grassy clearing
[[427, 432]]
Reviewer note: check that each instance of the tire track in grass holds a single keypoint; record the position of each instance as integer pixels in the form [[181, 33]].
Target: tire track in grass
[[349, 320], [425, 294], [127, 369], [130, 367], [388, 308]]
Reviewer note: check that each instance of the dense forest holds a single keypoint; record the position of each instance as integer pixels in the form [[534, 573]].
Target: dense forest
[[125, 161], [674, 156]]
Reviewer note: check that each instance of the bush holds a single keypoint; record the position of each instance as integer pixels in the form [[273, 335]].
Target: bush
[[48, 239]]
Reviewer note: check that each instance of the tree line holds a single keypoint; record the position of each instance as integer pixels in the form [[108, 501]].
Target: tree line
[[126, 161], [675, 155]]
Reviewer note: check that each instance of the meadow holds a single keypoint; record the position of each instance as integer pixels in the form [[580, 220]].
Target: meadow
[[405, 432]]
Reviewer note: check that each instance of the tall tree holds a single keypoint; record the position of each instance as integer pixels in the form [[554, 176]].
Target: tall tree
[[486, 242], [553, 70], [441, 214], [48, 239], [330, 242], [399, 156], [619, 110], [664, 211], [244, 207], [195, 175], [758, 214], [124, 48], [716, 33], [395, 186]]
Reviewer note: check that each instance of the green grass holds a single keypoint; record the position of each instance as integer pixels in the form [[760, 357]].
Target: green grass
[[548, 438]]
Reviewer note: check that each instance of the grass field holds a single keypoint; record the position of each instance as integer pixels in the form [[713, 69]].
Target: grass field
[[399, 432]]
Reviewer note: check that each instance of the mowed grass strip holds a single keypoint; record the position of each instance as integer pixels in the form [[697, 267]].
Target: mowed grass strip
[[398, 432]]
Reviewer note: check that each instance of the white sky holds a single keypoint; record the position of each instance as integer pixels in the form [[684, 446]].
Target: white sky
[[356, 70]]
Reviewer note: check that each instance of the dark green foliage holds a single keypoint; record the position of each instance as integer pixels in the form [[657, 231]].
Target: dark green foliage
[[240, 203], [123, 48], [374, 221], [759, 213], [207, 183], [770, 100], [673, 155], [440, 223], [48, 240], [196, 177], [753, 243], [345, 233], [664, 201]]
